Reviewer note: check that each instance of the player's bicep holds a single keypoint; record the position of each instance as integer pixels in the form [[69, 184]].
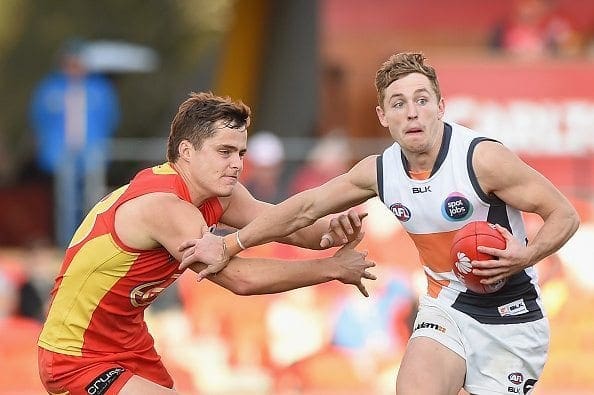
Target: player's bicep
[[171, 221], [242, 208], [500, 172], [347, 190]]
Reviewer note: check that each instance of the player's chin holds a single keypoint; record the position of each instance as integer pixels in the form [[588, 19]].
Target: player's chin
[[226, 190]]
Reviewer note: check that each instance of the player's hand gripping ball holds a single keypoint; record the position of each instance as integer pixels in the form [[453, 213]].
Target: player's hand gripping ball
[[463, 251]]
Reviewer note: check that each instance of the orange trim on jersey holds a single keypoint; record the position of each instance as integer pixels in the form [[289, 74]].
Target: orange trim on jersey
[[434, 250], [434, 286], [419, 175]]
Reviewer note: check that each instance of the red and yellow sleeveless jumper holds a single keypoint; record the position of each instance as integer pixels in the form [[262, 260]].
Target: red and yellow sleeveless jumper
[[104, 286]]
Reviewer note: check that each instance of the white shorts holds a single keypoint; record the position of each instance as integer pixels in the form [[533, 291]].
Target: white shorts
[[500, 359]]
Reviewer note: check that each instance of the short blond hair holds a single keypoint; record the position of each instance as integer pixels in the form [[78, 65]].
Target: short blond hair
[[400, 65]]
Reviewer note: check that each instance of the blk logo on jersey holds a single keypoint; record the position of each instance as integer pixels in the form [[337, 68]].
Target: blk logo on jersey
[[517, 379], [456, 207], [516, 307], [400, 211], [424, 189]]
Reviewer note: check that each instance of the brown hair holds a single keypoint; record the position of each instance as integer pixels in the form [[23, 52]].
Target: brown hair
[[197, 116], [400, 65]]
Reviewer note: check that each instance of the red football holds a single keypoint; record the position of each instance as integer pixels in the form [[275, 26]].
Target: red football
[[463, 251]]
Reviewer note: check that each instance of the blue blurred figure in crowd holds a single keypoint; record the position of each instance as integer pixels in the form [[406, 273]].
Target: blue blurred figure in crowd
[[380, 327], [74, 112]]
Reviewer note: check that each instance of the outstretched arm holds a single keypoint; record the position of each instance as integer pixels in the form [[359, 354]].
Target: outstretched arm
[[265, 276], [297, 212], [303, 209], [241, 208]]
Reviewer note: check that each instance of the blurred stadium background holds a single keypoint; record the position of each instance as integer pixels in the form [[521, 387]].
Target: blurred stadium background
[[521, 71]]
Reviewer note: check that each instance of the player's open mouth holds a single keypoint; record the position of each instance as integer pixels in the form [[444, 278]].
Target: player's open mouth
[[412, 131]]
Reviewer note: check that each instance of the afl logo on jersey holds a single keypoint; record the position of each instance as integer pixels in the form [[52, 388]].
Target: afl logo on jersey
[[456, 207], [400, 211], [516, 378]]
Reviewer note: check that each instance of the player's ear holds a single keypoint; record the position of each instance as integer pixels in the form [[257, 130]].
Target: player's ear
[[440, 108], [381, 116], [185, 149]]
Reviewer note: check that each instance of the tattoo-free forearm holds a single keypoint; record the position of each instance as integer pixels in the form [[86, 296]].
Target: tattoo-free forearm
[[256, 276], [558, 227], [276, 223], [308, 237]]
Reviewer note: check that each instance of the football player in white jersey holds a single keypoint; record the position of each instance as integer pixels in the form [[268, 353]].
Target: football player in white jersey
[[435, 178]]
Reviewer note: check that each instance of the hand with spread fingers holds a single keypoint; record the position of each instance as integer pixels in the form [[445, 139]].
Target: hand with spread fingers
[[353, 264]]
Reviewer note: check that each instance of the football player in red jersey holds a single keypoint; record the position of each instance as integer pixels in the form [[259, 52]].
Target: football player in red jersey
[[125, 252]]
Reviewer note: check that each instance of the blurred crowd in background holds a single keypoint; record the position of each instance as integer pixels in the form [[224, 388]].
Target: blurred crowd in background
[[66, 133]]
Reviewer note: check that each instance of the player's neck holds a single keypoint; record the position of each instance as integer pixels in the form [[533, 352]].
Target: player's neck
[[420, 163], [423, 161], [197, 194]]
